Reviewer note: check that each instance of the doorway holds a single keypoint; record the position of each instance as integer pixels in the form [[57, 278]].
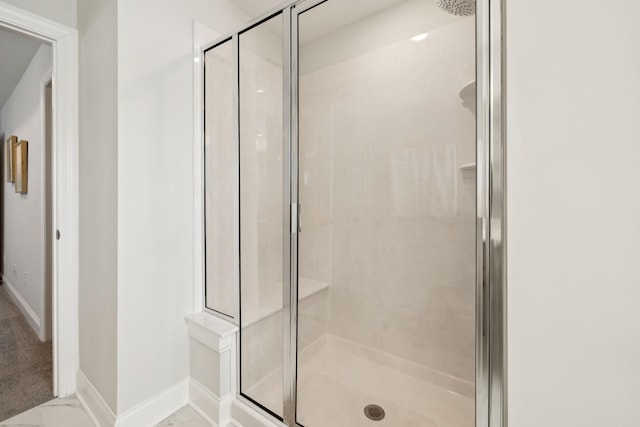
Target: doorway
[[26, 348], [64, 201]]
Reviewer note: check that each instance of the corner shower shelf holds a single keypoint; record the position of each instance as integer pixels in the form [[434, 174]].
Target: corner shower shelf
[[468, 95], [468, 171]]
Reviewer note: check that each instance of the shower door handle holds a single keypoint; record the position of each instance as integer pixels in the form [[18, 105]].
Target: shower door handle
[[296, 225]]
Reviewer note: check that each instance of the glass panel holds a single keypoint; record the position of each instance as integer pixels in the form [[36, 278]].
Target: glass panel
[[221, 180], [386, 256], [261, 213]]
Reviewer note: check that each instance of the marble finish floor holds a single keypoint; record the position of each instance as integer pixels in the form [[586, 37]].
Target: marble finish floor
[[69, 412]]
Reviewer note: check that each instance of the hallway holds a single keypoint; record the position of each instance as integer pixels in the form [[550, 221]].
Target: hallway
[[26, 372]]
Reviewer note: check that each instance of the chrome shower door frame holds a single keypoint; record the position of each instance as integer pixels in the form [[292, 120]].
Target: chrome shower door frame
[[491, 391], [491, 262], [290, 226]]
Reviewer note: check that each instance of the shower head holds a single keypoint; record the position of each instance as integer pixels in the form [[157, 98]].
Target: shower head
[[458, 7]]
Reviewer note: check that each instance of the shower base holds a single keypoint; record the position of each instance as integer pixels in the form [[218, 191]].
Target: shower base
[[335, 384]]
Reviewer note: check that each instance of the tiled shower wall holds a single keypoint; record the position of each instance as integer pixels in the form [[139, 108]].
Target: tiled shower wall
[[388, 216]]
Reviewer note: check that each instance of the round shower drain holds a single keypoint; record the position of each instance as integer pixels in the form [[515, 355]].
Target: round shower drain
[[374, 412]]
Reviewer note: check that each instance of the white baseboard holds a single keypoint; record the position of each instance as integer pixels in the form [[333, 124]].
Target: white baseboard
[[204, 402], [216, 411], [27, 311], [246, 416], [146, 414], [98, 410], [156, 408]]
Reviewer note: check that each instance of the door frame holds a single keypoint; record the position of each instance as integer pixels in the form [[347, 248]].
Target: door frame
[[64, 41], [491, 238], [46, 323]]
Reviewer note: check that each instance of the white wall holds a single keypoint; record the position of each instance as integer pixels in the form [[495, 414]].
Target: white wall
[[98, 195], [155, 182], [23, 224], [136, 198], [573, 213], [62, 11]]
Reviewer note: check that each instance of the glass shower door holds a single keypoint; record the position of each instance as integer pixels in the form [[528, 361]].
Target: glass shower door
[[260, 76], [386, 250]]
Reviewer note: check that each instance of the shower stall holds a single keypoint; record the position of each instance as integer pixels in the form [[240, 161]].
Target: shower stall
[[347, 232]]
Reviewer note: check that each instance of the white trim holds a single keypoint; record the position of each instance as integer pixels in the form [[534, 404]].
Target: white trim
[[65, 212], [31, 24], [98, 410], [23, 305], [202, 35], [157, 408], [208, 405], [47, 311], [244, 415], [148, 413], [65, 184], [211, 330]]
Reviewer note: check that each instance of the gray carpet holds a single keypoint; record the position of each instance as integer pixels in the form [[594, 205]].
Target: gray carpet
[[26, 370]]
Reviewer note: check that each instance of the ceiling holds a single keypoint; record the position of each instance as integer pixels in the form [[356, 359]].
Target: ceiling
[[16, 52], [256, 7], [336, 14]]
